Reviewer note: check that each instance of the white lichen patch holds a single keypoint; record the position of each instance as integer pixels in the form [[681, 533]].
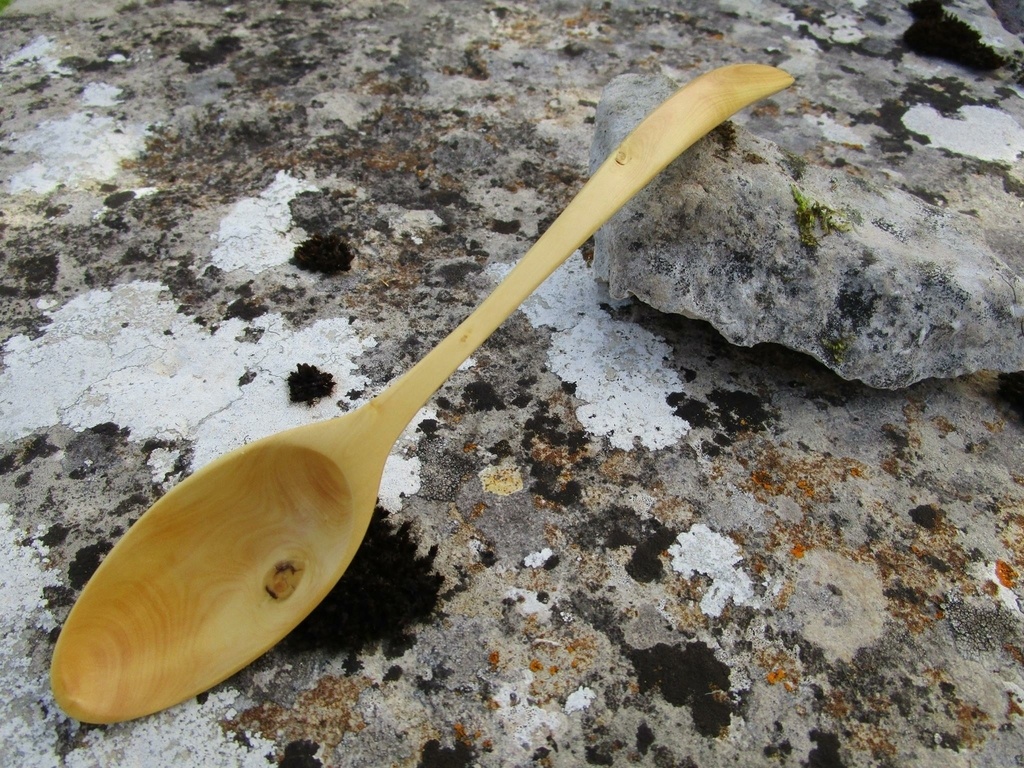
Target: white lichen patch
[[411, 224], [579, 700], [26, 738], [127, 356], [528, 605], [538, 559], [162, 463], [701, 550], [401, 478], [188, 734], [73, 150], [976, 131], [100, 95], [40, 52], [524, 722], [618, 368], [835, 27], [835, 132], [257, 233]]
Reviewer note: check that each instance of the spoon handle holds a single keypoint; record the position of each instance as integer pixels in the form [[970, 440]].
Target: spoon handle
[[663, 135]]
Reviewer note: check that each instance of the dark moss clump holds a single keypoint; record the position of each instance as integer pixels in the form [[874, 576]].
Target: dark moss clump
[[327, 254], [936, 32], [1011, 389], [725, 136], [387, 587], [307, 384], [199, 58]]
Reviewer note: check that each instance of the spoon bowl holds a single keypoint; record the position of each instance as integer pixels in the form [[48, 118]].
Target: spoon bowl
[[220, 568], [233, 558]]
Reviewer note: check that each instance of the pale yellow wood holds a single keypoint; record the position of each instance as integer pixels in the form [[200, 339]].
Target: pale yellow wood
[[230, 560]]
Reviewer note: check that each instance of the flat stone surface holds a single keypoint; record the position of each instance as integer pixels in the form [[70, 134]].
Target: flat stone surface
[[872, 281], [653, 547]]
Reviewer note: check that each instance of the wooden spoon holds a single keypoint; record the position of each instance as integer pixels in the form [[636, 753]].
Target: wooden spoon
[[233, 558]]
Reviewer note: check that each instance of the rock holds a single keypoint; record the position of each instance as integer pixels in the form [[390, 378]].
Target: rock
[[874, 282]]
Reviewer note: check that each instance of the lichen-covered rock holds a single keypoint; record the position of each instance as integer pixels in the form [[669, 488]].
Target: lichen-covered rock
[[874, 282]]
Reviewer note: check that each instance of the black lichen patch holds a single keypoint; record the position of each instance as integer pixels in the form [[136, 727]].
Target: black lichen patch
[[644, 738], [327, 254], [86, 561], [29, 276], [740, 412], [1011, 389], [646, 563], [694, 412], [387, 588], [505, 227], [599, 754], [94, 451], [28, 450], [826, 753], [307, 384], [936, 32], [459, 755], [199, 58], [927, 516], [481, 396], [730, 414], [300, 754], [247, 309], [554, 452], [117, 199], [690, 677]]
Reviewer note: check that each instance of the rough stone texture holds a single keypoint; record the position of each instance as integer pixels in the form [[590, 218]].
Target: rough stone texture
[[657, 548], [872, 281]]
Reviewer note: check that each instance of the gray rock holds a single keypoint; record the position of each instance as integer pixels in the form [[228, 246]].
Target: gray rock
[[875, 283]]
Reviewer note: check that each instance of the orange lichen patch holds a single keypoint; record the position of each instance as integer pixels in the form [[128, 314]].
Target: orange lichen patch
[[1006, 574], [324, 714], [1017, 654], [806, 480], [777, 676], [585, 18], [1011, 534], [782, 669], [874, 739], [1013, 707], [557, 666], [784, 595], [494, 658], [800, 538], [462, 734], [973, 725], [836, 705], [943, 425]]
